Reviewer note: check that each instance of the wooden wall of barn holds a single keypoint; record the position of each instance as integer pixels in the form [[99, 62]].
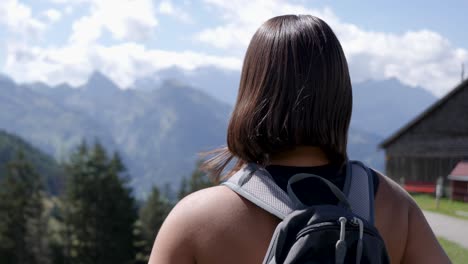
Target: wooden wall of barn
[[460, 191], [420, 169], [433, 146]]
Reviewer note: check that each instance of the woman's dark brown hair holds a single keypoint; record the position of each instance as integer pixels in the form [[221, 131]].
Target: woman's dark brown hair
[[295, 90]]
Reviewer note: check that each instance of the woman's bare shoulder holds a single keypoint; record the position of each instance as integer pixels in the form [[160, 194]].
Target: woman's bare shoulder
[[216, 204], [392, 205], [212, 210], [212, 218], [194, 219], [407, 235], [392, 193]]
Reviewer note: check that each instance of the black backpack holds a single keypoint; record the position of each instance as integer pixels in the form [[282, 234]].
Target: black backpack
[[342, 233]]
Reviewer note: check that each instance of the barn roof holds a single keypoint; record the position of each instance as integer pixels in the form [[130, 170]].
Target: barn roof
[[424, 114], [460, 172]]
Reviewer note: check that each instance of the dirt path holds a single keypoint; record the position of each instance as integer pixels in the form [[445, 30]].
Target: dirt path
[[450, 228]]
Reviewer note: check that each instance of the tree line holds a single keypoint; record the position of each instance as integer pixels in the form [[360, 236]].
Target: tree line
[[95, 219]]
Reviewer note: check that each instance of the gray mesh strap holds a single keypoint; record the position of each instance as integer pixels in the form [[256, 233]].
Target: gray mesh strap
[[256, 185], [359, 190]]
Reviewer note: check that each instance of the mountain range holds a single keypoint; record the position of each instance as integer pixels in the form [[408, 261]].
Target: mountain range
[[162, 122], [378, 105]]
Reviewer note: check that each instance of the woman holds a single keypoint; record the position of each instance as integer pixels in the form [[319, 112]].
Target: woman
[[292, 115]]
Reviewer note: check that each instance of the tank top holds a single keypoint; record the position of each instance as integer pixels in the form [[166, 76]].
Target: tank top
[[310, 191]]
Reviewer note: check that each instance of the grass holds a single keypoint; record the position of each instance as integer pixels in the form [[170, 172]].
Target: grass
[[456, 253], [446, 206]]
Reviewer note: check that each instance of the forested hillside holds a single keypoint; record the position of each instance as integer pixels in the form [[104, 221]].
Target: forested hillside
[[12, 146]]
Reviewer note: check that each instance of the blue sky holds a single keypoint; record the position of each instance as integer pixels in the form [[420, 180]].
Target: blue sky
[[422, 43], [399, 16]]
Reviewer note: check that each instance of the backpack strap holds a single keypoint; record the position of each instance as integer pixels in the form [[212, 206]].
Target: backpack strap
[[256, 185], [359, 189], [343, 201]]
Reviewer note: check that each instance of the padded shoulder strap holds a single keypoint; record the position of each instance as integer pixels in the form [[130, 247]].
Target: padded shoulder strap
[[256, 185], [359, 189]]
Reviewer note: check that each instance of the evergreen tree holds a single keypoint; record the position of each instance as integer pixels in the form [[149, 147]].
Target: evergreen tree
[[57, 231], [198, 180], [100, 211], [169, 193], [183, 189], [23, 226], [151, 217], [141, 244]]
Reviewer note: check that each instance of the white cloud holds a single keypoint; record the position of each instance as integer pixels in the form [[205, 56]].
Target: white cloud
[[419, 58], [125, 20], [18, 19], [68, 10], [423, 57], [53, 65], [69, 2], [243, 17], [167, 8], [86, 30], [123, 62], [53, 15]]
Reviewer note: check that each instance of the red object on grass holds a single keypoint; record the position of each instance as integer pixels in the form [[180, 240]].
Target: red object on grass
[[420, 187]]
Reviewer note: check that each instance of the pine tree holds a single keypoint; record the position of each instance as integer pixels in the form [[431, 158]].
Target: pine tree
[[57, 231], [152, 216], [198, 180], [183, 189], [101, 211], [157, 207], [23, 226], [141, 244], [169, 192]]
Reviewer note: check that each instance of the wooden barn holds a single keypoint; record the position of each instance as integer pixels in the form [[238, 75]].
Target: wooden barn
[[432, 144]]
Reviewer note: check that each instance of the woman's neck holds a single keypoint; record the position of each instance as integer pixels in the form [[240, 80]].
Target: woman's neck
[[303, 156]]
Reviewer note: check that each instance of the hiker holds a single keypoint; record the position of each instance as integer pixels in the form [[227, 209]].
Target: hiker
[[291, 121]]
